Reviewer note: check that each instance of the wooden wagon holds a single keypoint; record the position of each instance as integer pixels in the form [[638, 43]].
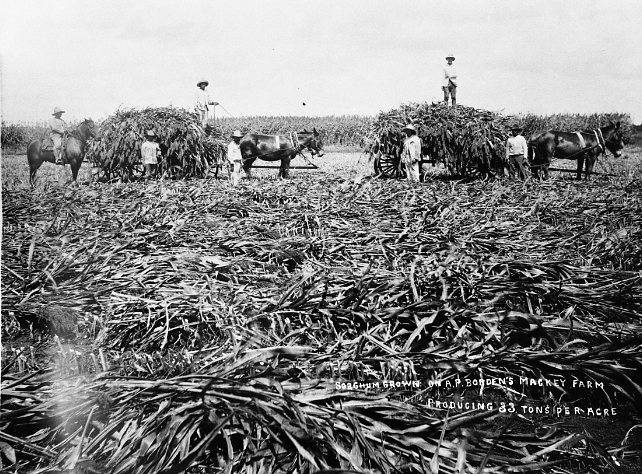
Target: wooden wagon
[[387, 163]]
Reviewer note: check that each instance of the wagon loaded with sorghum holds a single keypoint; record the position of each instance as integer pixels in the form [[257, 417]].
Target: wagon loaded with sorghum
[[187, 151], [466, 140]]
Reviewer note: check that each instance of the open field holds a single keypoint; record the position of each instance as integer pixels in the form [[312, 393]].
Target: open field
[[205, 327]]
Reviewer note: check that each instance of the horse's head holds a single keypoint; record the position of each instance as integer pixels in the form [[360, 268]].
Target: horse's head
[[88, 129], [614, 138], [312, 141]]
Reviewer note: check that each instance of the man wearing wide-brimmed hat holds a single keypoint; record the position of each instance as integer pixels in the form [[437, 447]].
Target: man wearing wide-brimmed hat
[[411, 154], [449, 86], [203, 101], [234, 157], [516, 152], [57, 128], [150, 152]]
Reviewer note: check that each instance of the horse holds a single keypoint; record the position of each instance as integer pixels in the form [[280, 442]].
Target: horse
[[278, 148], [73, 150], [583, 146]]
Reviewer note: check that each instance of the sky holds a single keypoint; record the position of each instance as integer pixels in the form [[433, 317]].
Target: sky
[[336, 57]]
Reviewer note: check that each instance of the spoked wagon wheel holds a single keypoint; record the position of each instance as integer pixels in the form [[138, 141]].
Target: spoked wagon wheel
[[389, 166]]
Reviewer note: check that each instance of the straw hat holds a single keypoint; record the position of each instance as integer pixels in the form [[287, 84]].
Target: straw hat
[[203, 81], [410, 127], [58, 110], [516, 126], [150, 133], [237, 134], [450, 56]]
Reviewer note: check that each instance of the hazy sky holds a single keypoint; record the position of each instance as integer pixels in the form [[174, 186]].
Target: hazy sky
[[339, 57]]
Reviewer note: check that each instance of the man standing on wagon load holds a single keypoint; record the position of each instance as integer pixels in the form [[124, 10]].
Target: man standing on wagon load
[[411, 154], [203, 102], [449, 85], [57, 128]]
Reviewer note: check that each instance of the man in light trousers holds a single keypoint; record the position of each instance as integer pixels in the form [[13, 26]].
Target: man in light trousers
[[516, 153], [449, 85], [57, 128], [234, 157], [203, 102], [411, 154]]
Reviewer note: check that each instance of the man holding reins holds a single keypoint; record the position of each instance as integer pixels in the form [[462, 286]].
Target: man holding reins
[[203, 102], [57, 129], [449, 84]]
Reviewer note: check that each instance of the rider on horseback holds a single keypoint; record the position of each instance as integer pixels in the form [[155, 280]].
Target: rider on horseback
[[57, 128]]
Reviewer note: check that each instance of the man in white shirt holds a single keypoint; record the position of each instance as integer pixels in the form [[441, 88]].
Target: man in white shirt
[[234, 157], [150, 152], [57, 128], [411, 154], [449, 84], [202, 102], [516, 153]]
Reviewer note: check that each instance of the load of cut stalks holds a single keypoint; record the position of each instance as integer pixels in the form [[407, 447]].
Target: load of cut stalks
[[468, 141], [186, 152], [532, 124]]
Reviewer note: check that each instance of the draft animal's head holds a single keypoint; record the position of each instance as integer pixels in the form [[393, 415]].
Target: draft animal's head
[[312, 141], [614, 138]]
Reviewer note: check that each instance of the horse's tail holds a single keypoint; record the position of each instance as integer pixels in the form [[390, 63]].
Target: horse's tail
[[33, 147], [531, 152]]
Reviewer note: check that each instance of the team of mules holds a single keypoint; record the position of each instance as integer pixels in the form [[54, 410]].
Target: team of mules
[[281, 148], [585, 147], [74, 146]]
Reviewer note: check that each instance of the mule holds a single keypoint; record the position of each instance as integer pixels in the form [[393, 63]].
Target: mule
[[278, 148], [74, 146], [370, 144], [585, 147]]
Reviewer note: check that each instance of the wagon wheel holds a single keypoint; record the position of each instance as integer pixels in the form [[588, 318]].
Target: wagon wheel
[[389, 166]]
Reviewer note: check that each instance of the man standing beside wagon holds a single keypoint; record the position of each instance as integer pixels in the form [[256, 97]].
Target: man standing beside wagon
[[411, 154], [234, 157], [516, 152]]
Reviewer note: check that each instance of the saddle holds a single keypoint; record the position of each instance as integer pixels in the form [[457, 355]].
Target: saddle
[[48, 146]]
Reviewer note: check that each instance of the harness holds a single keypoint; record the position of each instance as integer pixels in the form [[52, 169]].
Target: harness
[[581, 139], [601, 144], [600, 140], [295, 146], [294, 138]]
